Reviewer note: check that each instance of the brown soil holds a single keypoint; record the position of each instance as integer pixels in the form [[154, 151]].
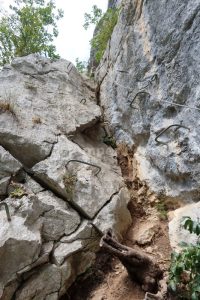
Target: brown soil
[[108, 279]]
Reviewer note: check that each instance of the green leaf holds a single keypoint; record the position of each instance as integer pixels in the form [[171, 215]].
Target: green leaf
[[29, 28]]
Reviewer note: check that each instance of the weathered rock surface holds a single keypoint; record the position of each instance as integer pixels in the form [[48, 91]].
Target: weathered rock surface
[[45, 98], [9, 166], [19, 248], [146, 232], [116, 210], [88, 186], [49, 116], [149, 80], [35, 287]]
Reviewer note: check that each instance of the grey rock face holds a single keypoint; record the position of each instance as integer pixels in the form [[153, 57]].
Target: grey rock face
[[113, 3], [48, 116], [59, 218], [90, 191], [149, 80], [115, 210], [35, 286], [45, 98], [9, 166], [19, 247]]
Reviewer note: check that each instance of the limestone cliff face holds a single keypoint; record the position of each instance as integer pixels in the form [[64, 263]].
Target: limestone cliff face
[[56, 177], [149, 81], [56, 174]]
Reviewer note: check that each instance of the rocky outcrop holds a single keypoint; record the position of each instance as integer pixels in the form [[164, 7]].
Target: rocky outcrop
[[56, 178], [46, 99], [148, 88], [61, 183]]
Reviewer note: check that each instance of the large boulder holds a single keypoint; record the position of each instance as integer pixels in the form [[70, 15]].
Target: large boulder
[[40, 99], [48, 119], [87, 187]]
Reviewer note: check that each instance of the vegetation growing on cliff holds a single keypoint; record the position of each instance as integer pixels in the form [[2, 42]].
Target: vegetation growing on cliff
[[29, 28], [105, 24]]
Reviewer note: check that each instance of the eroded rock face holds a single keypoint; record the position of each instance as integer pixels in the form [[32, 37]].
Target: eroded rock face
[[19, 248], [9, 166], [149, 80], [45, 98], [49, 116], [87, 186]]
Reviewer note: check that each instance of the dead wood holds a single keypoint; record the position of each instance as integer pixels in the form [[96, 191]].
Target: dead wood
[[140, 267]]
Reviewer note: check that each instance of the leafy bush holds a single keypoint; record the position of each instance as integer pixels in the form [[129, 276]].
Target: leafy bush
[[93, 18], [105, 24], [29, 28], [185, 266]]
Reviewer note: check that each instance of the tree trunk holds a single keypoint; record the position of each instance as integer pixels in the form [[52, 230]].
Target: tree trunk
[[140, 267]]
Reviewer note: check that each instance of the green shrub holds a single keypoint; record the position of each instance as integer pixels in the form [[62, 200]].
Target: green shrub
[[29, 27], [184, 272], [18, 192], [104, 27], [110, 141]]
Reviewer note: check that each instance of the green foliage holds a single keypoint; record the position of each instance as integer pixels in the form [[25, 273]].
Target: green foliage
[[29, 28], [110, 141], [104, 27], [191, 226], [81, 65], [185, 266], [92, 18], [18, 192]]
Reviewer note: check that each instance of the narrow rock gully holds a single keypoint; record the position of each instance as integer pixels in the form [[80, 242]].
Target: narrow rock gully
[[107, 279]]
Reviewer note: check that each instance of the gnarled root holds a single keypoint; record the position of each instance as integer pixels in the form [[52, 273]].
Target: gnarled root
[[162, 293], [140, 267]]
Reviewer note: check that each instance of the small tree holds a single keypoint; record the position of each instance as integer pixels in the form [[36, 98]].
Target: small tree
[[29, 28], [105, 24]]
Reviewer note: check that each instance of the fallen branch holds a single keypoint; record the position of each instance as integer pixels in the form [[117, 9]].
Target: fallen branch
[[140, 267]]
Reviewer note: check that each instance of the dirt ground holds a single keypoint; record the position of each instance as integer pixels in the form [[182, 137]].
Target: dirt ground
[[108, 279]]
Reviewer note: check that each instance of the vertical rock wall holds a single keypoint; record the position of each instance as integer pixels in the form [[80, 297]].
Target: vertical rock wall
[[149, 91]]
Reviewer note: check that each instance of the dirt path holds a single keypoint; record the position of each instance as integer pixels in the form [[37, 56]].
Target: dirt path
[[108, 279]]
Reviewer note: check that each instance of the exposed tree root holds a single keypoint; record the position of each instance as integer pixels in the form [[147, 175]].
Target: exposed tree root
[[162, 293], [140, 267]]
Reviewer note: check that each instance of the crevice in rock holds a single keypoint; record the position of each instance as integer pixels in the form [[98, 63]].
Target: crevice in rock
[[46, 186], [189, 22], [107, 202]]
